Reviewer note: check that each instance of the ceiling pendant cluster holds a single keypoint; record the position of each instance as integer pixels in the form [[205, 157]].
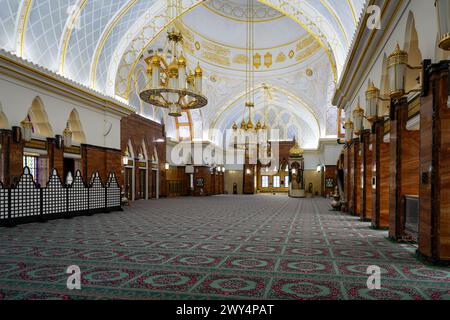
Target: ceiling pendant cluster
[[172, 84], [247, 127]]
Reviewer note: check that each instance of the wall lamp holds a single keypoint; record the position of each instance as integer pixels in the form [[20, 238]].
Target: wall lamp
[[126, 157], [67, 136], [443, 14], [349, 128], [397, 66], [27, 129]]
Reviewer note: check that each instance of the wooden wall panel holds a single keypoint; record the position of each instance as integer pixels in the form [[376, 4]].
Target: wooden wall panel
[[380, 174], [404, 166], [139, 130], [384, 186], [357, 192], [441, 152], [249, 179], [434, 226], [426, 161], [410, 163], [205, 174], [347, 179], [366, 171], [352, 173]]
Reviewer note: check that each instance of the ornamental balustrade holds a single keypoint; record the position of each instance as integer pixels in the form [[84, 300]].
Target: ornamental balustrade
[[27, 202]]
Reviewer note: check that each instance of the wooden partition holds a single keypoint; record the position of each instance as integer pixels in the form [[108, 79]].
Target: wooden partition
[[434, 219], [249, 179], [404, 167], [380, 178], [366, 172], [357, 191], [348, 191]]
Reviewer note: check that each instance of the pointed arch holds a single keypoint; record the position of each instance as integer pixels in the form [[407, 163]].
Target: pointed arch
[[76, 127], [4, 123], [155, 157], [144, 149], [130, 148], [39, 118], [411, 46]]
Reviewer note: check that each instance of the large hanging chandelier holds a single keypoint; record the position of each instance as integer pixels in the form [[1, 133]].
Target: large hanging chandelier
[[172, 84]]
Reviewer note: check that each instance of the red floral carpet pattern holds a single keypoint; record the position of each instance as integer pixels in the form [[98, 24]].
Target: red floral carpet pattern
[[227, 247]]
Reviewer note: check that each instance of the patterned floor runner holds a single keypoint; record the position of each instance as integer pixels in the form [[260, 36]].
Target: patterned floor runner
[[226, 247]]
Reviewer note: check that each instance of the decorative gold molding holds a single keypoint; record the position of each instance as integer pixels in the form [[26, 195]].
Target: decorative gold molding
[[261, 87], [105, 36], [241, 20], [23, 25], [326, 49], [68, 33], [333, 13], [364, 49], [12, 68], [36, 144]]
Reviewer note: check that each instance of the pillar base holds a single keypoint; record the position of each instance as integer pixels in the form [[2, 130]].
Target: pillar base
[[434, 261], [297, 194]]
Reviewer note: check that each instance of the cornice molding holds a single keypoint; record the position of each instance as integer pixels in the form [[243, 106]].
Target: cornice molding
[[366, 46], [30, 73]]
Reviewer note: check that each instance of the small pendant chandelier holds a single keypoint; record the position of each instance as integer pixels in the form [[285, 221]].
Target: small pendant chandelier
[[248, 132]]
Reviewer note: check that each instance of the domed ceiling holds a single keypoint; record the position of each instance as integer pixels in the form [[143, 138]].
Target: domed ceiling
[[100, 43]]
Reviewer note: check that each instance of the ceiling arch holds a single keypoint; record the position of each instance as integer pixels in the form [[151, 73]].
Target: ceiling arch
[[316, 17], [81, 38], [285, 112], [99, 44]]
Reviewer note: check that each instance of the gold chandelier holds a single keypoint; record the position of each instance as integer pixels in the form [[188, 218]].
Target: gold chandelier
[[171, 85], [247, 126]]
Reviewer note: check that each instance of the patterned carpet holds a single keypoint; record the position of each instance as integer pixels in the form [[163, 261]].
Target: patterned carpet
[[227, 247]]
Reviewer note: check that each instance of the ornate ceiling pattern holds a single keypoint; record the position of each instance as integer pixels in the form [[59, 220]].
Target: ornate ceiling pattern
[[99, 43]]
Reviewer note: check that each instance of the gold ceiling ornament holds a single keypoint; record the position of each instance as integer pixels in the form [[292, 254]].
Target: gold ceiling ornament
[[281, 57], [198, 45], [302, 44], [240, 59], [171, 85], [268, 60], [257, 60], [291, 54], [309, 72], [255, 134]]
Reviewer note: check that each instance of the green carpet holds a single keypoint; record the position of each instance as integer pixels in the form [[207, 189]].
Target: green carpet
[[226, 247]]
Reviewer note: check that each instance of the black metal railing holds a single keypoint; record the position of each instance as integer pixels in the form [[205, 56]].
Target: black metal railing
[[27, 202], [411, 214]]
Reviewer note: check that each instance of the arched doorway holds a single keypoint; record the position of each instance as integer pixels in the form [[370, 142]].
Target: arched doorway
[[155, 175], [129, 185], [143, 166]]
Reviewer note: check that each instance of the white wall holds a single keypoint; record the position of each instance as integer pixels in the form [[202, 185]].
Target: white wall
[[425, 18], [17, 97]]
